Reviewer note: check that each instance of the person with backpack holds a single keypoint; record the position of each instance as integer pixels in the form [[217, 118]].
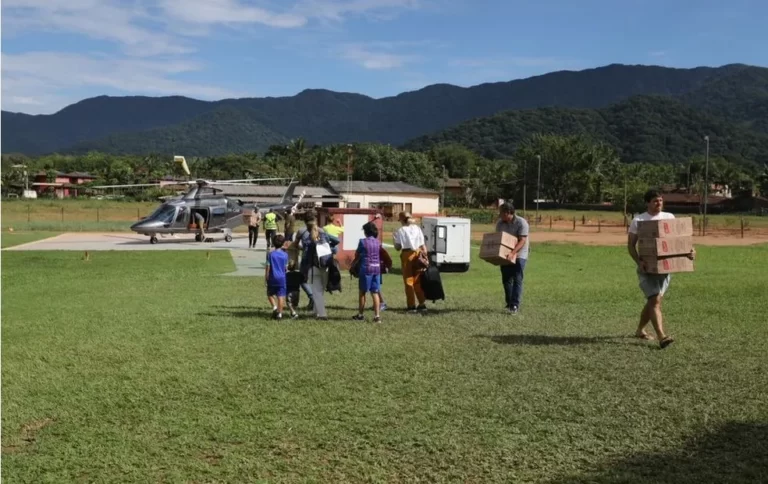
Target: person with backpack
[[367, 256], [384, 257], [315, 260]]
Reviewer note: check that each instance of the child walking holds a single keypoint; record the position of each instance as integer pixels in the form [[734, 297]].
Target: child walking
[[370, 272], [274, 276]]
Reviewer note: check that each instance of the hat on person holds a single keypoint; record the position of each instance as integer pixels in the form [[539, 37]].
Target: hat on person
[[404, 216]]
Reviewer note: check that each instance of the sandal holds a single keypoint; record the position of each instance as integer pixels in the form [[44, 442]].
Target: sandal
[[645, 336], [668, 340]]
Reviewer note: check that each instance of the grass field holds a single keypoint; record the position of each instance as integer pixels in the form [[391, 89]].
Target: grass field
[[115, 216], [150, 367]]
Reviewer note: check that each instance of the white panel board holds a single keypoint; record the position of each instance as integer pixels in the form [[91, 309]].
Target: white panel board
[[353, 230]]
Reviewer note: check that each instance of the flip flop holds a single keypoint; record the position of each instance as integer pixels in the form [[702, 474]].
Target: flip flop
[[666, 342]]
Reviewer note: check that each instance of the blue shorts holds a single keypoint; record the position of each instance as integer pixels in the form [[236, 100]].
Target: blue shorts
[[279, 291], [370, 284]]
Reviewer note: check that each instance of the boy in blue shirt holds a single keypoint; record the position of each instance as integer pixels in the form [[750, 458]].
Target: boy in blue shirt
[[274, 276]]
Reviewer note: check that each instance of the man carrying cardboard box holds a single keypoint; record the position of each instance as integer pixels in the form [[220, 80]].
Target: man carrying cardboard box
[[653, 285], [512, 274]]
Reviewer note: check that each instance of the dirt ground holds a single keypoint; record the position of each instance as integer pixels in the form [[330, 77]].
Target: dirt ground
[[611, 235]]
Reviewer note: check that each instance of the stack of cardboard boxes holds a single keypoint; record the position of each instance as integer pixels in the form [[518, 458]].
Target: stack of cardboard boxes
[[664, 245], [496, 246]]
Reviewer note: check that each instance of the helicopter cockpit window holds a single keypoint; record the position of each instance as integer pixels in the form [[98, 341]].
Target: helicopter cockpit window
[[181, 214], [164, 214]]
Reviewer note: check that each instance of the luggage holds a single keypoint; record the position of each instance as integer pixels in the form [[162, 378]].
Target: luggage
[[334, 278], [431, 284]]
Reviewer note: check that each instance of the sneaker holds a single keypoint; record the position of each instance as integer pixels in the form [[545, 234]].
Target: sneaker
[[358, 317], [377, 320], [311, 305], [321, 318], [383, 307], [421, 308], [274, 314], [279, 316], [294, 315], [513, 310]]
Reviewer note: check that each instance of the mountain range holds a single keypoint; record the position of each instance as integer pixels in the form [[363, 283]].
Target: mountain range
[[732, 98]]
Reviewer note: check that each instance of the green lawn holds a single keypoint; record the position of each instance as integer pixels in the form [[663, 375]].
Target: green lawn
[[9, 239], [149, 367]]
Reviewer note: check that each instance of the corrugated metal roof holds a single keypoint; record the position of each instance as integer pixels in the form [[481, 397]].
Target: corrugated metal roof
[[377, 187]]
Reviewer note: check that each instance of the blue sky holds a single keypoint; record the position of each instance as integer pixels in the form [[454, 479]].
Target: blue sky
[[56, 52]]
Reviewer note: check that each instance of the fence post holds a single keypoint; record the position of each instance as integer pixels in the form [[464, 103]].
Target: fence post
[[574, 223], [583, 220], [742, 227], [97, 214], [599, 227], [550, 222], [62, 214], [138, 215]]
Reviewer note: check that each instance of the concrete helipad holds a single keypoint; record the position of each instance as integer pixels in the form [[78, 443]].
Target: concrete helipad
[[249, 262], [126, 241]]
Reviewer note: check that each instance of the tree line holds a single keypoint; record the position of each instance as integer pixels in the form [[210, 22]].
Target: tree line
[[574, 169]]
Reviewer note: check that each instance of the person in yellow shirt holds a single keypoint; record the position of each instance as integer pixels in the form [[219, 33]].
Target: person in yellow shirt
[[270, 226], [333, 230]]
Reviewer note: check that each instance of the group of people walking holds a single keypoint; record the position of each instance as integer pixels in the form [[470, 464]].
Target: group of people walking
[[307, 262], [315, 248]]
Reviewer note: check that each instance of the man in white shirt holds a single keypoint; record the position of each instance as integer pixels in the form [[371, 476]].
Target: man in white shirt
[[409, 240], [653, 285]]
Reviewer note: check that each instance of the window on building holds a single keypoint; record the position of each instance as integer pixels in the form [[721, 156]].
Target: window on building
[[353, 204], [409, 207]]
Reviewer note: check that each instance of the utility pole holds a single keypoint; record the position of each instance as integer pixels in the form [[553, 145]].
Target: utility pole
[[442, 198], [625, 191], [538, 190], [706, 183], [525, 186], [349, 172]]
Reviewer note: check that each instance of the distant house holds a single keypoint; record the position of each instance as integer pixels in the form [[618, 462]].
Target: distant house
[[64, 184], [391, 197]]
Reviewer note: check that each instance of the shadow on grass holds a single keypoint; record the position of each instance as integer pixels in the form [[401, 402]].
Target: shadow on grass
[[546, 340], [735, 452], [263, 313]]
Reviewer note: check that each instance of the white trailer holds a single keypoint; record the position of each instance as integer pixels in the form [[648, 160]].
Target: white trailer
[[448, 242]]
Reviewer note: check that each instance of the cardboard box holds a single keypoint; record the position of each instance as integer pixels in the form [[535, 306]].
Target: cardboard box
[[668, 264], [665, 246], [677, 227], [496, 246]]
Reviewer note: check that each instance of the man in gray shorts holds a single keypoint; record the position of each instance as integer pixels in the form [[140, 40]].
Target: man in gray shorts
[[654, 286]]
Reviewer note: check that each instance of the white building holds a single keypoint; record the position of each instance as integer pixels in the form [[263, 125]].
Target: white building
[[391, 197]]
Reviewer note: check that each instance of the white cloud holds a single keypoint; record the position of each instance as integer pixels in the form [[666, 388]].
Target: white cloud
[[228, 11], [369, 59], [338, 9], [102, 20], [138, 33], [42, 79], [658, 53]]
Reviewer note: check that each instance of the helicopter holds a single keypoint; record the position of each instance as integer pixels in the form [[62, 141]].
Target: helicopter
[[220, 213]]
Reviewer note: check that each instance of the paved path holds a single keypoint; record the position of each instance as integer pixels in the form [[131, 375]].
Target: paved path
[[249, 262]]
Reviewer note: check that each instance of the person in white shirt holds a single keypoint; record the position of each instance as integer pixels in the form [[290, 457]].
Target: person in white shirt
[[409, 241], [653, 285]]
